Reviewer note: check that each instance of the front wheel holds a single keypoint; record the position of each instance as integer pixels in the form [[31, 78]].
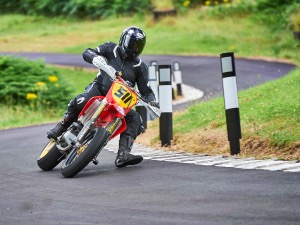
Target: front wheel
[[78, 159], [50, 156]]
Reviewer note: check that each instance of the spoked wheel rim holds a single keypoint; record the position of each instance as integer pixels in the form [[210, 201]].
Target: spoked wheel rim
[[75, 153], [48, 147]]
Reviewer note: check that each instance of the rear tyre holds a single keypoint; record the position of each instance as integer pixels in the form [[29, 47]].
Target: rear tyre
[[78, 159], [50, 156]]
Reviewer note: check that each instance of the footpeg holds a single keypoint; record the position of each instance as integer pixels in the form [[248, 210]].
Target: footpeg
[[95, 161]]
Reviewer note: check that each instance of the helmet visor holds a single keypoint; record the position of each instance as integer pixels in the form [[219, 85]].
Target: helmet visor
[[133, 45]]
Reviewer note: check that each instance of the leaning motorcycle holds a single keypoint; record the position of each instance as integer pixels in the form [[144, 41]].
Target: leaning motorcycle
[[101, 120]]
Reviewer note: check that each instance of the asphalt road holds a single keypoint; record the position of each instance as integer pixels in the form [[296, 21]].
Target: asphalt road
[[153, 192]]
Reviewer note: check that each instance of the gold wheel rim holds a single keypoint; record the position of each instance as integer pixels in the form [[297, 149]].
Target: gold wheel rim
[[48, 147]]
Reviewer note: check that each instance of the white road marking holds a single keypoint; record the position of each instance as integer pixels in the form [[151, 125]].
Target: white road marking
[[204, 160]]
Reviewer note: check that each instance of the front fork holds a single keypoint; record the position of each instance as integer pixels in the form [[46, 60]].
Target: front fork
[[90, 124]]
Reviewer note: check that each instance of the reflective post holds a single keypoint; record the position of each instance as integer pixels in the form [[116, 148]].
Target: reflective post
[[152, 70], [178, 77], [231, 101], [165, 101]]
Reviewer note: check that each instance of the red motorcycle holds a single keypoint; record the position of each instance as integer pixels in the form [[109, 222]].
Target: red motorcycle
[[101, 120]]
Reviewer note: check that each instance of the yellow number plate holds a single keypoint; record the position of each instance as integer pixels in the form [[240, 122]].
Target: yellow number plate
[[123, 96]]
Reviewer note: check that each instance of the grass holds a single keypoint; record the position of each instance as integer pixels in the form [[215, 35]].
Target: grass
[[19, 116], [269, 113], [189, 33], [270, 121], [269, 110]]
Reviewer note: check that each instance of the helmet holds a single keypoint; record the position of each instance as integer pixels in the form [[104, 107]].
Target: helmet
[[132, 41]]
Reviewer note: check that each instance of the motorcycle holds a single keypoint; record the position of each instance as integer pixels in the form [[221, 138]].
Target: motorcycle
[[101, 120]]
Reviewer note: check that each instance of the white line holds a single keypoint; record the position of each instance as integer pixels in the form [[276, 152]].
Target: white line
[[259, 164]]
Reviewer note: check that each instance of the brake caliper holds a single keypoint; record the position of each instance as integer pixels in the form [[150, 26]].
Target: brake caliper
[[82, 148]]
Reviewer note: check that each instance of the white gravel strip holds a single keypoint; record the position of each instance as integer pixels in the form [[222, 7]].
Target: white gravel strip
[[204, 160]]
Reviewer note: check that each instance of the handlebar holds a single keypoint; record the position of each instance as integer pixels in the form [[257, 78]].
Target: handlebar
[[100, 62]]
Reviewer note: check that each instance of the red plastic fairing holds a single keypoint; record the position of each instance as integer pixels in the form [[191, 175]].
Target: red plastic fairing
[[89, 103]]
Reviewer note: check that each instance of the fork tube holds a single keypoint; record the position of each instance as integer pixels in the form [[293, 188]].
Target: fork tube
[[87, 127]]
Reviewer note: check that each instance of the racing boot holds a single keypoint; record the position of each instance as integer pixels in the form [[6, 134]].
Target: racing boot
[[59, 128], [124, 158]]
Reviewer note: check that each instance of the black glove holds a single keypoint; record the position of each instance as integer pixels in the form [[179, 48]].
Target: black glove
[[155, 104]]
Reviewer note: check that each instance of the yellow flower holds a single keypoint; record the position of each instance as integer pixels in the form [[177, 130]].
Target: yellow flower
[[31, 96], [186, 3], [232, 48], [40, 84], [207, 3], [225, 1], [53, 78]]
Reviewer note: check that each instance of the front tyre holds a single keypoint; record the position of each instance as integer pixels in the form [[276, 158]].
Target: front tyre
[[50, 156], [78, 159]]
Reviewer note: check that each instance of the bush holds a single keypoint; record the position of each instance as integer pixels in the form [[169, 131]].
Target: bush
[[193, 3], [31, 83], [230, 8], [75, 8], [295, 21], [276, 13]]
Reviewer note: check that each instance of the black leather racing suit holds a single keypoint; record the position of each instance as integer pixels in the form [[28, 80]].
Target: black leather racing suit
[[133, 70]]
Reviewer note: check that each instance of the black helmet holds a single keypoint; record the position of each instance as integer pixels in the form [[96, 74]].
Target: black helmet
[[132, 41]]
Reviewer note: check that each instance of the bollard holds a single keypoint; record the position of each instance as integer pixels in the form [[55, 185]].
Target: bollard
[[173, 88], [178, 77], [165, 102], [153, 80], [231, 101], [154, 63]]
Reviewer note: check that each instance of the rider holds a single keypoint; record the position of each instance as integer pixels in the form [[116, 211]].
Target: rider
[[122, 57]]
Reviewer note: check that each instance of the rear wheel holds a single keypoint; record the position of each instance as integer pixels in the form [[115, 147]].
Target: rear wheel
[[78, 159], [50, 156]]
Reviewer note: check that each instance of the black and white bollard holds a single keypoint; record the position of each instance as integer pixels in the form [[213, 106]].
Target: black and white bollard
[[153, 63], [177, 77], [153, 83], [231, 101], [165, 102]]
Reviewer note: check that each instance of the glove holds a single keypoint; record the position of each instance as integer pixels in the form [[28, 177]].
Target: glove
[[155, 104], [99, 61]]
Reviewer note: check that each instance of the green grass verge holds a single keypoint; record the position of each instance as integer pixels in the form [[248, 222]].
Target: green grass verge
[[271, 110], [190, 33]]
